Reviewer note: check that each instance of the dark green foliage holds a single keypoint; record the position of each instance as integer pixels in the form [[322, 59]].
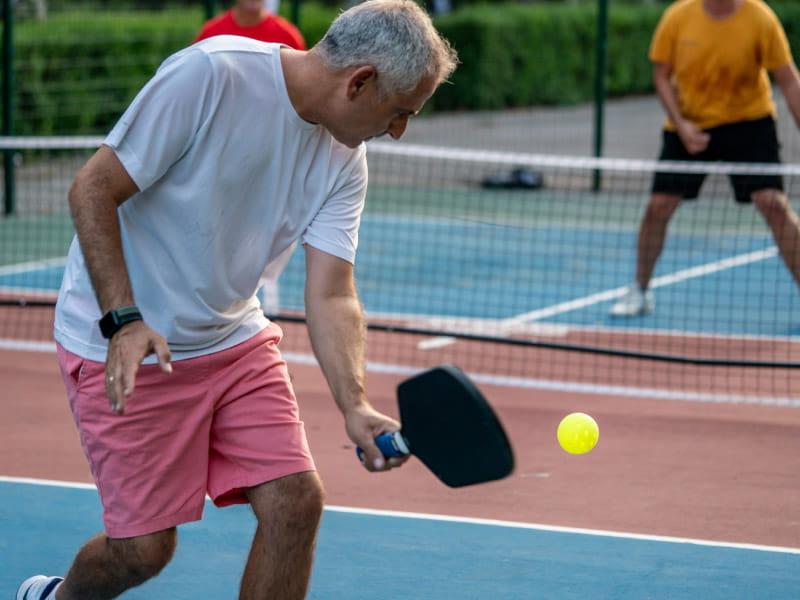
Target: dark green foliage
[[544, 53], [78, 70], [522, 55], [314, 19]]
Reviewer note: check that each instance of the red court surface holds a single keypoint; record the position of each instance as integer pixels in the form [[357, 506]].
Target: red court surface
[[716, 471]]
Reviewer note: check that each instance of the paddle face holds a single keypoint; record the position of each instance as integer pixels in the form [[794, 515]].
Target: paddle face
[[451, 428]]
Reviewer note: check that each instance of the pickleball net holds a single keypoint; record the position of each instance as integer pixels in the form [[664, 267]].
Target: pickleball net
[[505, 264]]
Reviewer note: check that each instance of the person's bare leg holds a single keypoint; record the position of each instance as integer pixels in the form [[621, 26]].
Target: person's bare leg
[[288, 512], [652, 232], [105, 567], [785, 226]]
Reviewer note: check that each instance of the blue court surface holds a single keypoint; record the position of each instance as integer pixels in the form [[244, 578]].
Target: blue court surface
[[369, 554], [732, 284]]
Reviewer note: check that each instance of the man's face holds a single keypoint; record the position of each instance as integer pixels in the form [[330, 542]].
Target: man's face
[[368, 113]]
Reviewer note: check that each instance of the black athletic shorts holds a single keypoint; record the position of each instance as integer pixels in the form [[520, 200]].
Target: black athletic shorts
[[746, 141]]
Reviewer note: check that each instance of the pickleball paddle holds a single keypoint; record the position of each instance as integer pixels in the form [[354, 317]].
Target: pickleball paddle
[[447, 423]]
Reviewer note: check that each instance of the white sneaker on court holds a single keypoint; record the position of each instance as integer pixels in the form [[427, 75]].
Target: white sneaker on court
[[635, 302], [38, 587]]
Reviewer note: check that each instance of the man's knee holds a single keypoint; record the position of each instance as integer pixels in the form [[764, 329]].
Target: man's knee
[[313, 497], [661, 207], [297, 497], [771, 203], [145, 556], [305, 495]]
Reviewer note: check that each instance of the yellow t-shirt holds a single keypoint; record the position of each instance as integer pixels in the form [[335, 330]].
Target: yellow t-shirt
[[719, 67]]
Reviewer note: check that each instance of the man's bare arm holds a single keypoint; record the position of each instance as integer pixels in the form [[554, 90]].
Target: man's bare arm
[[693, 138], [662, 80], [99, 188], [788, 80], [336, 328]]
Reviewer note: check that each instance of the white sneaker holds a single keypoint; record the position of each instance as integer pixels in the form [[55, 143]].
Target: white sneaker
[[635, 302], [38, 587]]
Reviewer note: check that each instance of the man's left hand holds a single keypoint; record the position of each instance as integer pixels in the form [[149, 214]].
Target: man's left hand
[[364, 424]]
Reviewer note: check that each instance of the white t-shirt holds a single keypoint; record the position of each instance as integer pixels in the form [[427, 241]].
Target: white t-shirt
[[229, 177]]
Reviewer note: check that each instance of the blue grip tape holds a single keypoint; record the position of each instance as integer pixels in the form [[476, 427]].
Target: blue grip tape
[[390, 444]]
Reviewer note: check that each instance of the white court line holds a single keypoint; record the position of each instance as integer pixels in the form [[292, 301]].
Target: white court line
[[48, 482], [508, 381], [45, 263], [560, 529], [572, 386], [474, 521], [30, 293], [27, 346], [509, 324], [658, 282], [487, 326], [437, 342]]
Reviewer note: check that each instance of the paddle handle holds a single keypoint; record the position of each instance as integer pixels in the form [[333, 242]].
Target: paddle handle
[[391, 444]]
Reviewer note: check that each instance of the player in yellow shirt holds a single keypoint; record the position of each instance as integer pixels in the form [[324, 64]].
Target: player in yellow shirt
[[711, 60]]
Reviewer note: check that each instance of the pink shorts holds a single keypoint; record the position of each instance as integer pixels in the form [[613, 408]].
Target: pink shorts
[[218, 424]]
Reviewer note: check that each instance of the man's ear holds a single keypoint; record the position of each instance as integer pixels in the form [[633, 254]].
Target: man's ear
[[360, 79]]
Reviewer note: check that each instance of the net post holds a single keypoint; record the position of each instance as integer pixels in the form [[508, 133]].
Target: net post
[[601, 52], [8, 106]]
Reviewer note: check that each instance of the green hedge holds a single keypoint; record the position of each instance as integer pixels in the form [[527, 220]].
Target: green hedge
[[518, 56], [524, 55], [77, 71]]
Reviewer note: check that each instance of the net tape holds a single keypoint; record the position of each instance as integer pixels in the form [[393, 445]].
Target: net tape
[[468, 155]]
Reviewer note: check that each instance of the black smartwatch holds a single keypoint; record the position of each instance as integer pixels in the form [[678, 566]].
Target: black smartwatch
[[115, 319]]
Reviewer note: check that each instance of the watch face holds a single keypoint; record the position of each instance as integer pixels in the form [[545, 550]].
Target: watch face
[[114, 320], [107, 325]]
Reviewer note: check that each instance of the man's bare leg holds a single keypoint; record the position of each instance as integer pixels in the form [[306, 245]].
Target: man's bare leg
[[288, 512], [785, 226], [105, 567], [652, 233]]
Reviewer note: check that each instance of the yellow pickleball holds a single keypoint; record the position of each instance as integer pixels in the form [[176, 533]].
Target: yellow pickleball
[[578, 433]]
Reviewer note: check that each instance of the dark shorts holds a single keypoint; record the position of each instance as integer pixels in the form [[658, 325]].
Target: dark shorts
[[746, 141]]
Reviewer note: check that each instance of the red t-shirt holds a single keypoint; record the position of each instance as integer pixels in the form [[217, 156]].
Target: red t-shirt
[[272, 28]]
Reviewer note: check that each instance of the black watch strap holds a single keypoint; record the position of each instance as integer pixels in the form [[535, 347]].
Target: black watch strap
[[115, 319]]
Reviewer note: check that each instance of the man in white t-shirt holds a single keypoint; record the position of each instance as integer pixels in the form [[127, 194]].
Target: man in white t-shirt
[[231, 153]]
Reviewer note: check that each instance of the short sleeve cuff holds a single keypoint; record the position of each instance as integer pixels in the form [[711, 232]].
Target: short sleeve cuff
[[129, 160], [348, 254], [777, 64]]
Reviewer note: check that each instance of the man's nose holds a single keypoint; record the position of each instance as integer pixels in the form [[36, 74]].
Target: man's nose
[[398, 128]]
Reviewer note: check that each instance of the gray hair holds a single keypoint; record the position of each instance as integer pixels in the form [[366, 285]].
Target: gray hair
[[396, 37]]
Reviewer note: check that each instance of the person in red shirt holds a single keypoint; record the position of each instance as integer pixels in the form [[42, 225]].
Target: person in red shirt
[[249, 18]]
